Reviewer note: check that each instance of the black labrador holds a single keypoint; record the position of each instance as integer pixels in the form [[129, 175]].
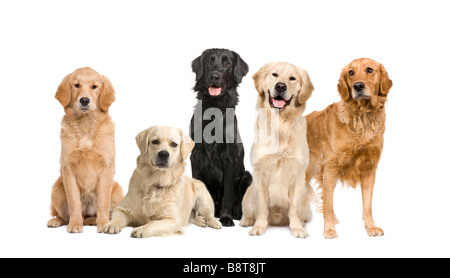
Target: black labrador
[[218, 156]]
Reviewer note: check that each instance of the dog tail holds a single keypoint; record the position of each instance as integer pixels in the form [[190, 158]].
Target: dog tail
[[315, 192]]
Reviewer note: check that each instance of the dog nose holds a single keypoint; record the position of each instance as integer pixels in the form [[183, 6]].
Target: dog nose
[[280, 87], [358, 86], [84, 101], [163, 155], [214, 77]]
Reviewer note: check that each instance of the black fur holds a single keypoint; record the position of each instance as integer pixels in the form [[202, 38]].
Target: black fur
[[220, 165]]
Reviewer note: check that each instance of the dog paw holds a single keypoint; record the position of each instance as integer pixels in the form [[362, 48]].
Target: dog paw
[[55, 222], [299, 232], [226, 221], [246, 222], [200, 221], [257, 230], [74, 228], [140, 232], [213, 223], [110, 228], [374, 231], [330, 234]]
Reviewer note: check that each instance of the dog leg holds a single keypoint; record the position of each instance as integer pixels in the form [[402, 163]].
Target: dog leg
[[73, 200], [104, 191], [295, 223], [156, 228], [119, 220], [226, 213], [248, 209], [262, 208], [204, 208], [329, 183], [367, 185]]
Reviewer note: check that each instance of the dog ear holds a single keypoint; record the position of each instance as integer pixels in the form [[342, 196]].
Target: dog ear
[[385, 83], [307, 87], [107, 95], [197, 67], [240, 68], [187, 144], [63, 94], [342, 86], [259, 77], [142, 140]]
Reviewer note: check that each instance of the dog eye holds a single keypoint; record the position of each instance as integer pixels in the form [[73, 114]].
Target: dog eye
[[369, 70], [155, 142], [351, 72], [211, 61], [275, 74], [94, 87], [173, 144], [227, 64], [77, 85], [292, 78]]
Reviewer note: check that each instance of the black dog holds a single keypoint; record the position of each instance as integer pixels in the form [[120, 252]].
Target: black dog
[[218, 156]]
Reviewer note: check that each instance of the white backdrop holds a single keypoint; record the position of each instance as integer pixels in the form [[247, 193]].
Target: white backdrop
[[145, 48]]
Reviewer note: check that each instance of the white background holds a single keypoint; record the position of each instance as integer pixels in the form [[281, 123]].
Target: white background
[[146, 47]]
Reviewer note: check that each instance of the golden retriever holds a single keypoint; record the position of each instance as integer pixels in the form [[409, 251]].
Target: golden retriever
[[346, 139], [160, 199], [86, 192], [278, 195]]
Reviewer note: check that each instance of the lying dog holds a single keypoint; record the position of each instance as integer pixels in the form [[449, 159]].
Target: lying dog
[[346, 139], [279, 195], [218, 155], [86, 192], [160, 198]]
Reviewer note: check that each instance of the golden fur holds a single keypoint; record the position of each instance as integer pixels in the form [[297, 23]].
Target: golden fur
[[160, 200], [346, 139], [278, 195], [86, 192]]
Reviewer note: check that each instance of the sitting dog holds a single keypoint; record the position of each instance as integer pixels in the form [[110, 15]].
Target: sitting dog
[[86, 192], [160, 199], [279, 195], [218, 155]]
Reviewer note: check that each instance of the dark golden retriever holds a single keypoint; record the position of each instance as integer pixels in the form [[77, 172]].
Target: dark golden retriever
[[346, 139]]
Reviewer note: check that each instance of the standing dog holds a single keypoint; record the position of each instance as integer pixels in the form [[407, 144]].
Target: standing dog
[[346, 139], [86, 192], [218, 155], [160, 198], [279, 195]]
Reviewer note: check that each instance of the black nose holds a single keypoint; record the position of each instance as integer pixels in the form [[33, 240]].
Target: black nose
[[214, 77], [84, 101], [280, 87], [358, 86], [163, 155]]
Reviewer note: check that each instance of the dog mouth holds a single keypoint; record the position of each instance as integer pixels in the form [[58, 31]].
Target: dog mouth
[[215, 90], [279, 102], [160, 164]]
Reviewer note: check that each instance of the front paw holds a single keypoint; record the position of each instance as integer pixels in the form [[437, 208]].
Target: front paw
[[75, 227], [140, 232], [299, 232], [226, 221], [374, 231], [257, 230], [111, 229]]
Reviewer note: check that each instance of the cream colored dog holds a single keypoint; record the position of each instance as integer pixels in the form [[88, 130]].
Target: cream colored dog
[[160, 199], [279, 195]]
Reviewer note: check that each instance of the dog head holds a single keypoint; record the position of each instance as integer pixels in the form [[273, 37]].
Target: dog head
[[218, 71], [282, 86], [84, 90], [364, 79], [163, 147]]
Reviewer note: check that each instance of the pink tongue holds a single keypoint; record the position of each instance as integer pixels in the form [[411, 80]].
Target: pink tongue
[[278, 103], [214, 91]]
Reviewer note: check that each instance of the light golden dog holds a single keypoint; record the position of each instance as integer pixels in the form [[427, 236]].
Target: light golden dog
[[86, 192], [278, 195], [160, 199], [346, 139]]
